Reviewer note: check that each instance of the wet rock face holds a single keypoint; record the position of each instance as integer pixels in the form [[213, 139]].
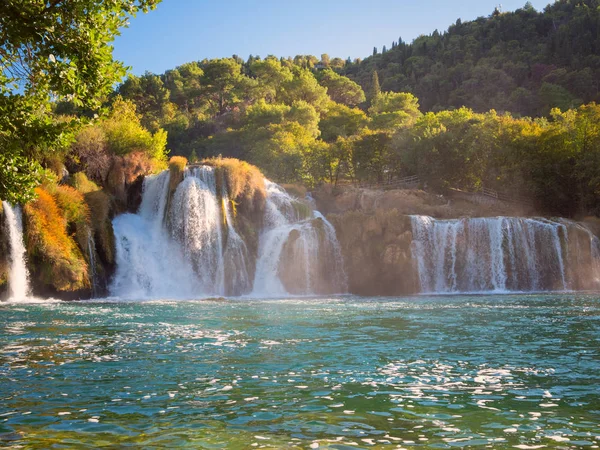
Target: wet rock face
[[413, 201], [377, 252], [308, 261], [4, 252]]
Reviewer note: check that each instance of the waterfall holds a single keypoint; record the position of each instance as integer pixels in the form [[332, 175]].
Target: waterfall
[[150, 264], [236, 253], [501, 254], [18, 277], [187, 245], [195, 219], [298, 247]]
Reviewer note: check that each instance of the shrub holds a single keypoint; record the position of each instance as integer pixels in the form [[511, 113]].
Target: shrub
[[57, 258], [90, 153], [177, 166], [83, 184], [73, 207], [177, 163], [245, 183]]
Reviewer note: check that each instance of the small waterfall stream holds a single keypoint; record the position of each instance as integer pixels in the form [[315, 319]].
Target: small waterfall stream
[[313, 258], [195, 221], [502, 254], [18, 278]]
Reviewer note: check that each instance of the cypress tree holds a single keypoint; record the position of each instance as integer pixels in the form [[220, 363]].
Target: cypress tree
[[375, 88]]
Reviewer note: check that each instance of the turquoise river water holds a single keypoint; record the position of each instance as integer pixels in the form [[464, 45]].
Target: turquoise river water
[[514, 371]]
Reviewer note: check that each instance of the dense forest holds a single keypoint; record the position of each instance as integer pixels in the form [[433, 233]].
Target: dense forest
[[504, 102], [525, 62]]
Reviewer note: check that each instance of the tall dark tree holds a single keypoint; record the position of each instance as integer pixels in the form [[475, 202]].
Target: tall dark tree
[[375, 88]]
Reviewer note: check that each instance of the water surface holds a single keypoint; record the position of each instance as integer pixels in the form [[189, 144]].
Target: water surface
[[518, 371]]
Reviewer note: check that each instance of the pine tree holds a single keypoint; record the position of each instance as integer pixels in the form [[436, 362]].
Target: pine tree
[[384, 49], [374, 51], [193, 157], [375, 88]]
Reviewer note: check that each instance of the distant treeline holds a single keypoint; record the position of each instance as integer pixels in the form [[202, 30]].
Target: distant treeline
[[525, 62]]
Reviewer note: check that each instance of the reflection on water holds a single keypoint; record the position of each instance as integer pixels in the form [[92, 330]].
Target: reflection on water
[[444, 372]]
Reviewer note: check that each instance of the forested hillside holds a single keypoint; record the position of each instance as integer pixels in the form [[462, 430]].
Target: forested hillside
[[510, 99], [525, 61], [505, 102]]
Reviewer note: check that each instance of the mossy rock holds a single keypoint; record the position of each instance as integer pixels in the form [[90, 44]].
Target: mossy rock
[[101, 208], [245, 183], [56, 262]]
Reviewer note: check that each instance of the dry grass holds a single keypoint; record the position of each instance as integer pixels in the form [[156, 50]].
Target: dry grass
[[245, 183], [177, 165]]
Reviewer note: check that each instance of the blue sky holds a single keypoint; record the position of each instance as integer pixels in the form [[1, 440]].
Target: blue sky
[[180, 31]]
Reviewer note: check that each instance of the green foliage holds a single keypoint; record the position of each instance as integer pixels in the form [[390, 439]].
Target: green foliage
[[305, 87], [341, 89], [391, 110], [341, 121], [82, 183], [57, 50], [525, 62], [18, 177], [125, 134]]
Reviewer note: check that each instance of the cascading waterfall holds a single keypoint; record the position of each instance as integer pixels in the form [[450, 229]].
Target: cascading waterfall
[[188, 246], [503, 254], [150, 264], [236, 254], [18, 277], [312, 261], [195, 221]]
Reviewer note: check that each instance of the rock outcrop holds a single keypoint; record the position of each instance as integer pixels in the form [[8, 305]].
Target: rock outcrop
[[377, 251]]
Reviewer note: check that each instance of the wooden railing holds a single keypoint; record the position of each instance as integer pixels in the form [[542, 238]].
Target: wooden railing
[[409, 181], [498, 195]]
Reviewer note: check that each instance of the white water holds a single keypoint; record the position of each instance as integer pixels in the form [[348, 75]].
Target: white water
[[149, 262], [307, 253], [189, 247], [195, 222], [18, 276], [501, 254]]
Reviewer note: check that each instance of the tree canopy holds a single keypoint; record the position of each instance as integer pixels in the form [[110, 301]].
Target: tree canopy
[[52, 50]]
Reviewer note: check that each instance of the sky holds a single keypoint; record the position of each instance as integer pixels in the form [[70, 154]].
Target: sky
[[180, 31]]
